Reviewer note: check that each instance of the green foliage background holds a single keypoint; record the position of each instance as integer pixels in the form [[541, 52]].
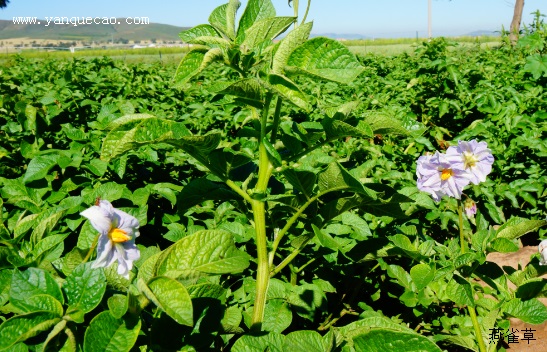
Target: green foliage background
[[387, 268]]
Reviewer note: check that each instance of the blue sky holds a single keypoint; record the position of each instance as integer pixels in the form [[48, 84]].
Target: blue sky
[[374, 18]]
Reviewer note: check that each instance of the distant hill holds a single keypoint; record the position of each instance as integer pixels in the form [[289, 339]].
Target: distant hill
[[90, 32]]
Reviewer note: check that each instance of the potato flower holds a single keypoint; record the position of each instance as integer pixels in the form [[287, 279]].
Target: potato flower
[[439, 177], [472, 156], [542, 248], [117, 233], [470, 207]]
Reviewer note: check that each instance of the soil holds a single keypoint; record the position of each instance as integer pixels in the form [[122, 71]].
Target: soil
[[522, 257]]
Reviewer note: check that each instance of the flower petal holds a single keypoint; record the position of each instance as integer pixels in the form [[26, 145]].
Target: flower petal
[[99, 219], [105, 253]]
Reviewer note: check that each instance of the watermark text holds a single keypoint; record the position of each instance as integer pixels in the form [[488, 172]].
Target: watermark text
[[79, 21]]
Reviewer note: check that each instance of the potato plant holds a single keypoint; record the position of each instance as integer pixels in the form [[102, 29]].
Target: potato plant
[[272, 192]]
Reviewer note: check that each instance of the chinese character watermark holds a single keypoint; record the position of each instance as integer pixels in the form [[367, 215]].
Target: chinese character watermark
[[511, 336]]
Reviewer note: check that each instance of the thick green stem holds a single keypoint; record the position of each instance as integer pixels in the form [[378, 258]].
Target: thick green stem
[[477, 328], [265, 169], [470, 309], [263, 270]]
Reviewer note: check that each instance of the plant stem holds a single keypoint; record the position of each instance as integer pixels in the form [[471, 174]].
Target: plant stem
[[265, 169], [288, 225], [306, 13], [91, 249], [470, 309], [276, 118], [460, 220], [238, 190], [290, 257], [263, 270]]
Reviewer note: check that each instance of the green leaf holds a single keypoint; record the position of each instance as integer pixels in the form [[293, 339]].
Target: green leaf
[[173, 298], [108, 334], [537, 65], [302, 180], [231, 10], [273, 155], [373, 322], [231, 320], [190, 65], [388, 340], [39, 167], [307, 300], [98, 167], [271, 342], [40, 303], [336, 178], [85, 287], [33, 281], [336, 129], [167, 190], [382, 123], [249, 89], [286, 46], [204, 252], [223, 18], [149, 131], [517, 227], [117, 304], [460, 292], [203, 30], [45, 223], [422, 275], [47, 243], [305, 341], [402, 277], [503, 245], [530, 311], [325, 239], [288, 90], [404, 243], [324, 58], [202, 189], [266, 30], [60, 326], [128, 121], [22, 327], [255, 11], [277, 316]]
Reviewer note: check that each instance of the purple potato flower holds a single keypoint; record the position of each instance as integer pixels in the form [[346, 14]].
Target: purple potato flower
[[470, 207], [440, 177], [472, 156], [117, 233]]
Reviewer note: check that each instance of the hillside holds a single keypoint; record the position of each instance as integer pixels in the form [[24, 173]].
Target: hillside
[[89, 32]]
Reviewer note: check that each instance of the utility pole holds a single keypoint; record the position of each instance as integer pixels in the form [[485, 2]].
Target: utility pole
[[429, 19]]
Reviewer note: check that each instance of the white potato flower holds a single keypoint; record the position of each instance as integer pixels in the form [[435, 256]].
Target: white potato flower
[[117, 233]]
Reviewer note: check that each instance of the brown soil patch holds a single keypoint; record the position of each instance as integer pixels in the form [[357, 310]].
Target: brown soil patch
[[522, 257]]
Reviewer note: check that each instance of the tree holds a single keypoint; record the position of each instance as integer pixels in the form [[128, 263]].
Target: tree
[[515, 23], [3, 3]]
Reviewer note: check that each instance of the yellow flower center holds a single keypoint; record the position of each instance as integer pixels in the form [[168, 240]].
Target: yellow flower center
[[469, 160], [446, 174], [118, 235]]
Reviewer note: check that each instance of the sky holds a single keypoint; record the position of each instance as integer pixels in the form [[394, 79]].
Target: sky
[[371, 18]]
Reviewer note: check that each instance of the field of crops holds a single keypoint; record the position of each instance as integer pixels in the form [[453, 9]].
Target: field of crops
[[265, 195]]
